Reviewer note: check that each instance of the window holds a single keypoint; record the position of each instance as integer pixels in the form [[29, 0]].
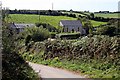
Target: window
[[63, 30], [78, 29], [67, 29], [73, 30]]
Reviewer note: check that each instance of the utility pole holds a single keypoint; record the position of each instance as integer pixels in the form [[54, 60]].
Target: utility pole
[[39, 15], [52, 6]]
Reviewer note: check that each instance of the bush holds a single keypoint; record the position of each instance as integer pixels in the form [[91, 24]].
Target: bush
[[52, 35], [106, 30], [99, 47], [14, 66], [68, 35], [111, 28], [96, 55], [35, 34], [47, 26]]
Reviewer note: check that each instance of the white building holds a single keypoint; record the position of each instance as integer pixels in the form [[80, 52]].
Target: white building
[[72, 26]]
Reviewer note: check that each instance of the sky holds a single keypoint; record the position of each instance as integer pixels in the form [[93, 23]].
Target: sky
[[76, 5]]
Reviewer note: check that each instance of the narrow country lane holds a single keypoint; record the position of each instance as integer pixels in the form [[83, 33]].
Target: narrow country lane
[[50, 72]]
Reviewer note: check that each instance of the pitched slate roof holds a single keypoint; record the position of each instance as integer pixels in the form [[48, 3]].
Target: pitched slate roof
[[24, 25], [71, 22], [21, 25]]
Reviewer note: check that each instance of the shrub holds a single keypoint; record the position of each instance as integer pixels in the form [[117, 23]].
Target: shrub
[[47, 26], [14, 66], [106, 30], [95, 55], [111, 28], [68, 35], [35, 34]]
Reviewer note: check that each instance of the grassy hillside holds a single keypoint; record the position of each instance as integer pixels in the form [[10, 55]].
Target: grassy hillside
[[114, 15], [97, 23], [53, 20]]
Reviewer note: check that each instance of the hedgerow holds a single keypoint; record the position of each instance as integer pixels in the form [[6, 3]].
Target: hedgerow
[[98, 56]]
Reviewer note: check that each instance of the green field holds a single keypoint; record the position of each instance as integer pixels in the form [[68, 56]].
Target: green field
[[112, 15], [53, 20], [25, 18], [96, 23]]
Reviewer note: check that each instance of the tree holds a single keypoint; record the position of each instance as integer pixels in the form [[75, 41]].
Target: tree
[[8, 38], [116, 24], [35, 34], [49, 12], [92, 15], [87, 25], [106, 30], [5, 14], [12, 62]]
